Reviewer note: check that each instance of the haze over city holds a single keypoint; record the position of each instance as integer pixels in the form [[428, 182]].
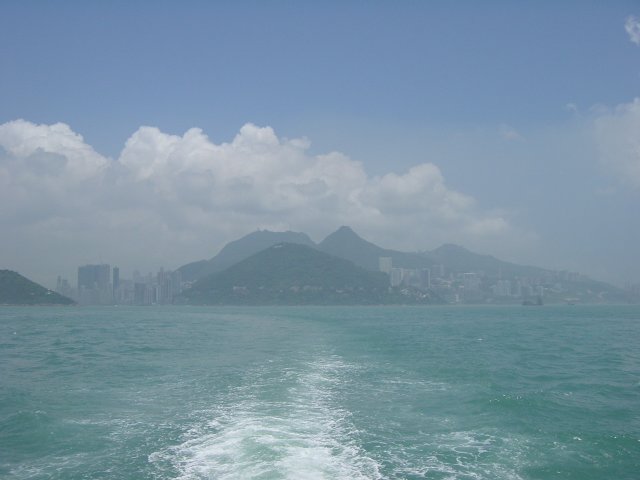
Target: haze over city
[[510, 129]]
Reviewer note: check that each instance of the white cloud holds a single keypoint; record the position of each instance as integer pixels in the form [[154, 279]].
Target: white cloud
[[507, 132], [24, 139], [617, 133], [572, 108], [632, 26], [169, 199]]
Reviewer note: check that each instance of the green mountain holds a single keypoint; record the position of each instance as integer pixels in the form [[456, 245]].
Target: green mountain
[[18, 290], [238, 250], [291, 274], [347, 244]]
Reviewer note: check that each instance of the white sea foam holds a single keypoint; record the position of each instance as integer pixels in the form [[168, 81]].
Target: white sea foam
[[462, 455], [259, 432], [303, 436]]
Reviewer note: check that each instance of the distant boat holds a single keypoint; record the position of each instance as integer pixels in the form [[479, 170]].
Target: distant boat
[[530, 303]]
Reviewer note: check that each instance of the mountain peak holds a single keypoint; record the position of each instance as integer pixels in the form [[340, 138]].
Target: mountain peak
[[261, 239], [345, 230], [347, 244], [343, 233], [240, 249]]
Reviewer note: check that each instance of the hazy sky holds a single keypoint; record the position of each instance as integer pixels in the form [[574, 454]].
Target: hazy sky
[[148, 134]]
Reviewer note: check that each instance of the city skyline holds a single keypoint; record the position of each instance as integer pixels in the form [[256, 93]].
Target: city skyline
[[100, 284], [449, 274]]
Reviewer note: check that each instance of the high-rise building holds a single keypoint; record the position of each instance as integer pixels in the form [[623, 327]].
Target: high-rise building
[[397, 276], [471, 281], [176, 282], [94, 276], [385, 264], [165, 290], [141, 294], [502, 288], [425, 278], [94, 285], [116, 278], [63, 287]]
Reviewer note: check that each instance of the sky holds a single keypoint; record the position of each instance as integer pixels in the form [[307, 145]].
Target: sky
[[149, 134]]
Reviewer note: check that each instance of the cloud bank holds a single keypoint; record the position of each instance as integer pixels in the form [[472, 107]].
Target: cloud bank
[[169, 199]]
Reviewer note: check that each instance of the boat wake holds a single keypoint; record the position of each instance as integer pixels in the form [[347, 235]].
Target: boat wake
[[285, 426]]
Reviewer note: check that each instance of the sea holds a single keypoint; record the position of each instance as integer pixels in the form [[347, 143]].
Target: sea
[[310, 393]]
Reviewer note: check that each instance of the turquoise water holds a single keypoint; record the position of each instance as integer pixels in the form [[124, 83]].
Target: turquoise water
[[320, 393]]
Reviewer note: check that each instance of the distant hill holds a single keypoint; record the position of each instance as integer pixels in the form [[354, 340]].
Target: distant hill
[[575, 287], [559, 287], [458, 259], [347, 244], [238, 250], [447, 265], [291, 274], [18, 290]]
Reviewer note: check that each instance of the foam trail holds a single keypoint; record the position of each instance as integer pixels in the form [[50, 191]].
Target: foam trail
[[303, 436]]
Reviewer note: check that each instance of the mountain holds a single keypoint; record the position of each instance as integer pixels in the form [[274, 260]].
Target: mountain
[[291, 274], [455, 275], [18, 290], [347, 244], [238, 250], [457, 259]]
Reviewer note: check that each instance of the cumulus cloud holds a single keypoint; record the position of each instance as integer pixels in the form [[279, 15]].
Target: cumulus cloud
[[632, 26], [168, 199], [25, 140], [617, 133]]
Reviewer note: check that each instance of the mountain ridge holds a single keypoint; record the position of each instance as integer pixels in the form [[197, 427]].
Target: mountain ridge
[[459, 259], [291, 274], [240, 249], [456, 273], [347, 244]]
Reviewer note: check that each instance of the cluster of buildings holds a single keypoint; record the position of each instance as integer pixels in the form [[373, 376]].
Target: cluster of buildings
[[102, 285], [419, 278], [474, 287]]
